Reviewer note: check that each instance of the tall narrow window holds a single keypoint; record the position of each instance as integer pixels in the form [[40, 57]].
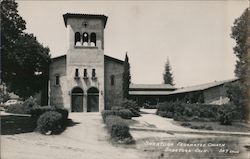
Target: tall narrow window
[[93, 73], [93, 39], [76, 72], [85, 39], [112, 80], [77, 39], [85, 74], [57, 80]]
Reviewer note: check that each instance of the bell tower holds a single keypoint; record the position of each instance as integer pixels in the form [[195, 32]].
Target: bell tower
[[85, 61]]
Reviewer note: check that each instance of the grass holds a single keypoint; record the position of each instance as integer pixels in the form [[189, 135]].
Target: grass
[[235, 127]]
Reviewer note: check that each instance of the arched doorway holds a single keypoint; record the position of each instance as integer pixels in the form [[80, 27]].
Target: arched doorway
[[93, 100], [77, 100]]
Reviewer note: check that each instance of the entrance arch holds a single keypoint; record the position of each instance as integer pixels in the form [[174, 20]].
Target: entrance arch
[[93, 100], [77, 100]]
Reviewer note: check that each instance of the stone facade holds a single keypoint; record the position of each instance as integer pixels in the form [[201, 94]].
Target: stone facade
[[79, 80]]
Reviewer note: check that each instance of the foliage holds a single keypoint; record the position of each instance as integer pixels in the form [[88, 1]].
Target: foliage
[[4, 96], [17, 109], [25, 108], [25, 61], [123, 113], [132, 106], [50, 123], [197, 112], [38, 111], [239, 33], [126, 78], [118, 128], [168, 75], [239, 93]]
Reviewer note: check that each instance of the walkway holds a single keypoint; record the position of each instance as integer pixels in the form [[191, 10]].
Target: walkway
[[87, 139]]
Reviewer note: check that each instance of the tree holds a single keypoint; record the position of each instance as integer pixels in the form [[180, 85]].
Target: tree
[[25, 61], [168, 76], [237, 92], [126, 78]]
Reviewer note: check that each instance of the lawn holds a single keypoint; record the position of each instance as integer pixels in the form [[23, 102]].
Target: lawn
[[235, 127]]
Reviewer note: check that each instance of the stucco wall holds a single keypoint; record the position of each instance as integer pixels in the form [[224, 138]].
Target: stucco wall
[[57, 92], [85, 57], [113, 94]]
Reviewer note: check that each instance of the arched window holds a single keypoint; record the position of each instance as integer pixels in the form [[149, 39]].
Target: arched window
[[93, 39], [112, 80], [77, 39], [85, 39]]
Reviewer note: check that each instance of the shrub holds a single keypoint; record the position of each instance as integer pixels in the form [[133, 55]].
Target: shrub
[[22, 108], [17, 109], [30, 104], [50, 122], [117, 127], [123, 113], [185, 124], [63, 112], [106, 113], [37, 111], [132, 106], [116, 108]]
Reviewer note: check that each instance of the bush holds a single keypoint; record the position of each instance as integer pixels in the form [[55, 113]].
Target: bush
[[24, 108], [116, 108], [30, 104], [123, 113], [132, 106], [17, 109], [63, 112], [50, 122], [117, 127], [37, 111]]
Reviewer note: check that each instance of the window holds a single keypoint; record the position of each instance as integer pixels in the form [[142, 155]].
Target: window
[[93, 73], [76, 72], [57, 80], [85, 74], [112, 80], [85, 38], [93, 39], [77, 39]]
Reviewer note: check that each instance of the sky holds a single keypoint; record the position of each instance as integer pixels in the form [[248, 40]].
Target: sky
[[194, 35]]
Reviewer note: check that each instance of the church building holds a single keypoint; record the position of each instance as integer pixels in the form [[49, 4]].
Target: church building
[[84, 79]]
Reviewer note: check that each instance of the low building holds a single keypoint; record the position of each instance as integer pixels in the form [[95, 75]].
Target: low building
[[209, 93]]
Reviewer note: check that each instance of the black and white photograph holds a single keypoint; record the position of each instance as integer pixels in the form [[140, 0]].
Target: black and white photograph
[[139, 79]]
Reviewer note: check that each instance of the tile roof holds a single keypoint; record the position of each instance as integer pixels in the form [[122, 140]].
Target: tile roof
[[77, 15], [145, 89], [151, 86], [201, 86], [148, 92]]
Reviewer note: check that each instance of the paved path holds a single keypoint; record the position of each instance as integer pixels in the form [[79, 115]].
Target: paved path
[[151, 122], [87, 139]]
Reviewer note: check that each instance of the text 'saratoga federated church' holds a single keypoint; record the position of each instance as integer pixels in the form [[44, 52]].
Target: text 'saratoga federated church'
[[85, 80]]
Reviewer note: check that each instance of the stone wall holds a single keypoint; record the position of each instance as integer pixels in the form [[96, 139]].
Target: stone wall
[[113, 93]]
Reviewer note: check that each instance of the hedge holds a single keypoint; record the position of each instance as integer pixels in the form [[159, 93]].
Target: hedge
[[118, 128], [198, 112], [123, 113]]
